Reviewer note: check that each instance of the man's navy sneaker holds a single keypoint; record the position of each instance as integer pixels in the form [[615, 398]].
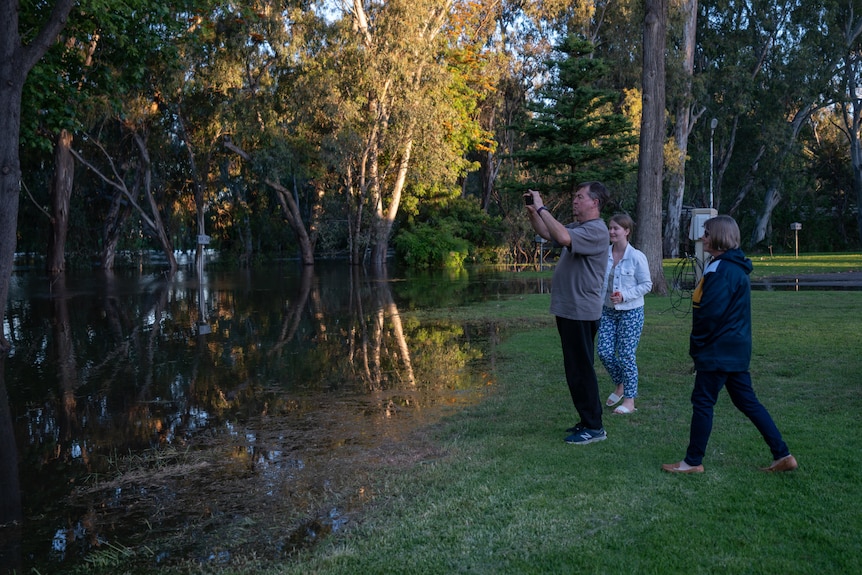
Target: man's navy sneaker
[[585, 436]]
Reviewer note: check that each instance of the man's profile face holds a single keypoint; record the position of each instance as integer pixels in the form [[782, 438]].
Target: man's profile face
[[582, 202]]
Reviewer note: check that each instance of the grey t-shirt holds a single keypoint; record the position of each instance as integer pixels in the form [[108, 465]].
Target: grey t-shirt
[[576, 287]]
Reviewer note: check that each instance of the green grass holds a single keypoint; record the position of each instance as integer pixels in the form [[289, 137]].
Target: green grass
[[766, 266], [511, 497]]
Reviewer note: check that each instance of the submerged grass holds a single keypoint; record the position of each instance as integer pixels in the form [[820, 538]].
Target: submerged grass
[[512, 497]]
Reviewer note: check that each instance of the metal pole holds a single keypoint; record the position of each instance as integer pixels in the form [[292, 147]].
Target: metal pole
[[712, 126]]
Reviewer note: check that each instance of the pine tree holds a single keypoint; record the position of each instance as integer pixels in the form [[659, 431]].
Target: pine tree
[[575, 130]]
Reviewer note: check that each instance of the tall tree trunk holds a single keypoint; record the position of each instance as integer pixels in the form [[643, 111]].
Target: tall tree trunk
[[143, 184], [385, 219], [856, 159], [293, 217], [155, 221], [384, 101], [650, 169], [10, 488], [852, 114], [773, 196], [16, 61], [773, 193], [61, 193], [684, 124], [115, 219], [355, 202], [289, 208], [198, 185]]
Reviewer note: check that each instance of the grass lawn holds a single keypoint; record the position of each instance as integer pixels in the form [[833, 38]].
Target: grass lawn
[[501, 493], [509, 496]]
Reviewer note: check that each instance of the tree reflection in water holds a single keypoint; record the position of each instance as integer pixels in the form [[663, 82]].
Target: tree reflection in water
[[246, 411]]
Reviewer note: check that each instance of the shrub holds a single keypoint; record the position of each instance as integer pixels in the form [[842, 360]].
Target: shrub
[[447, 235]]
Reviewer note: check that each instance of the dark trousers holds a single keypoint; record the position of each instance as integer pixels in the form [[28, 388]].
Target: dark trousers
[[578, 340], [707, 385]]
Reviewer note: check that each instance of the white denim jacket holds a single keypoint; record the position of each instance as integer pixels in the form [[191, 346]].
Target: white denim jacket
[[631, 278]]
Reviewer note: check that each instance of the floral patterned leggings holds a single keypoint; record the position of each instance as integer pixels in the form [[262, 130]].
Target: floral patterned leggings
[[618, 338]]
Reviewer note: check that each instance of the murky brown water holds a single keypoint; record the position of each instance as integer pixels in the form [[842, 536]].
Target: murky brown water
[[245, 412]]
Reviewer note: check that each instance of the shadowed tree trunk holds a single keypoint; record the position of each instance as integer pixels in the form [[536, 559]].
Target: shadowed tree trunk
[[10, 489], [650, 168], [685, 121], [289, 208], [143, 184], [61, 194], [115, 219], [773, 193], [16, 61]]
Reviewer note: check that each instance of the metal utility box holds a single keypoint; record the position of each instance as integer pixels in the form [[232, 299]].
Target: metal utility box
[[698, 218]]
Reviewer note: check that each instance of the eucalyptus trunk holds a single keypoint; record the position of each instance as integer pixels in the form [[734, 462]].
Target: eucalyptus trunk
[[773, 193], [650, 165], [16, 61], [115, 220], [685, 121], [61, 194], [155, 221], [856, 158], [289, 207]]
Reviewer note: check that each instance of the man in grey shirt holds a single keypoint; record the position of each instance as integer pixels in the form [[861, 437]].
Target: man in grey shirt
[[576, 297]]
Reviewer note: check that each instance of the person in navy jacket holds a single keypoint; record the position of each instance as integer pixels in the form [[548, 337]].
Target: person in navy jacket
[[720, 345]]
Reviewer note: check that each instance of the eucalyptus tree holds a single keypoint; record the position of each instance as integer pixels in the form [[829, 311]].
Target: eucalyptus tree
[[652, 139], [128, 141], [844, 21], [391, 105], [687, 110], [234, 101], [484, 89], [55, 87], [22, 44], [20, 50], [759, 71]]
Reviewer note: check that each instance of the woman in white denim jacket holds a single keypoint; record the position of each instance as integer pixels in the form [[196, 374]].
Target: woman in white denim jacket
[[627, 280]]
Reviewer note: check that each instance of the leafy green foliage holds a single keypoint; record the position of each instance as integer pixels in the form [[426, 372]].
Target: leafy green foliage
[[448, 234], [577, 131], [426, 245]]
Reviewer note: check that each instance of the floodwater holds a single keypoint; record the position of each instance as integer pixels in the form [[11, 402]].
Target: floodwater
[[199, 417]]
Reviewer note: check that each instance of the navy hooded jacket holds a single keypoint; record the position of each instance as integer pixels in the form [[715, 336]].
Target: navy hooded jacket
[[721, 315]]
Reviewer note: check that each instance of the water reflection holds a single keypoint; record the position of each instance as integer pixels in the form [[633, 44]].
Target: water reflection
[[143, 406]]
